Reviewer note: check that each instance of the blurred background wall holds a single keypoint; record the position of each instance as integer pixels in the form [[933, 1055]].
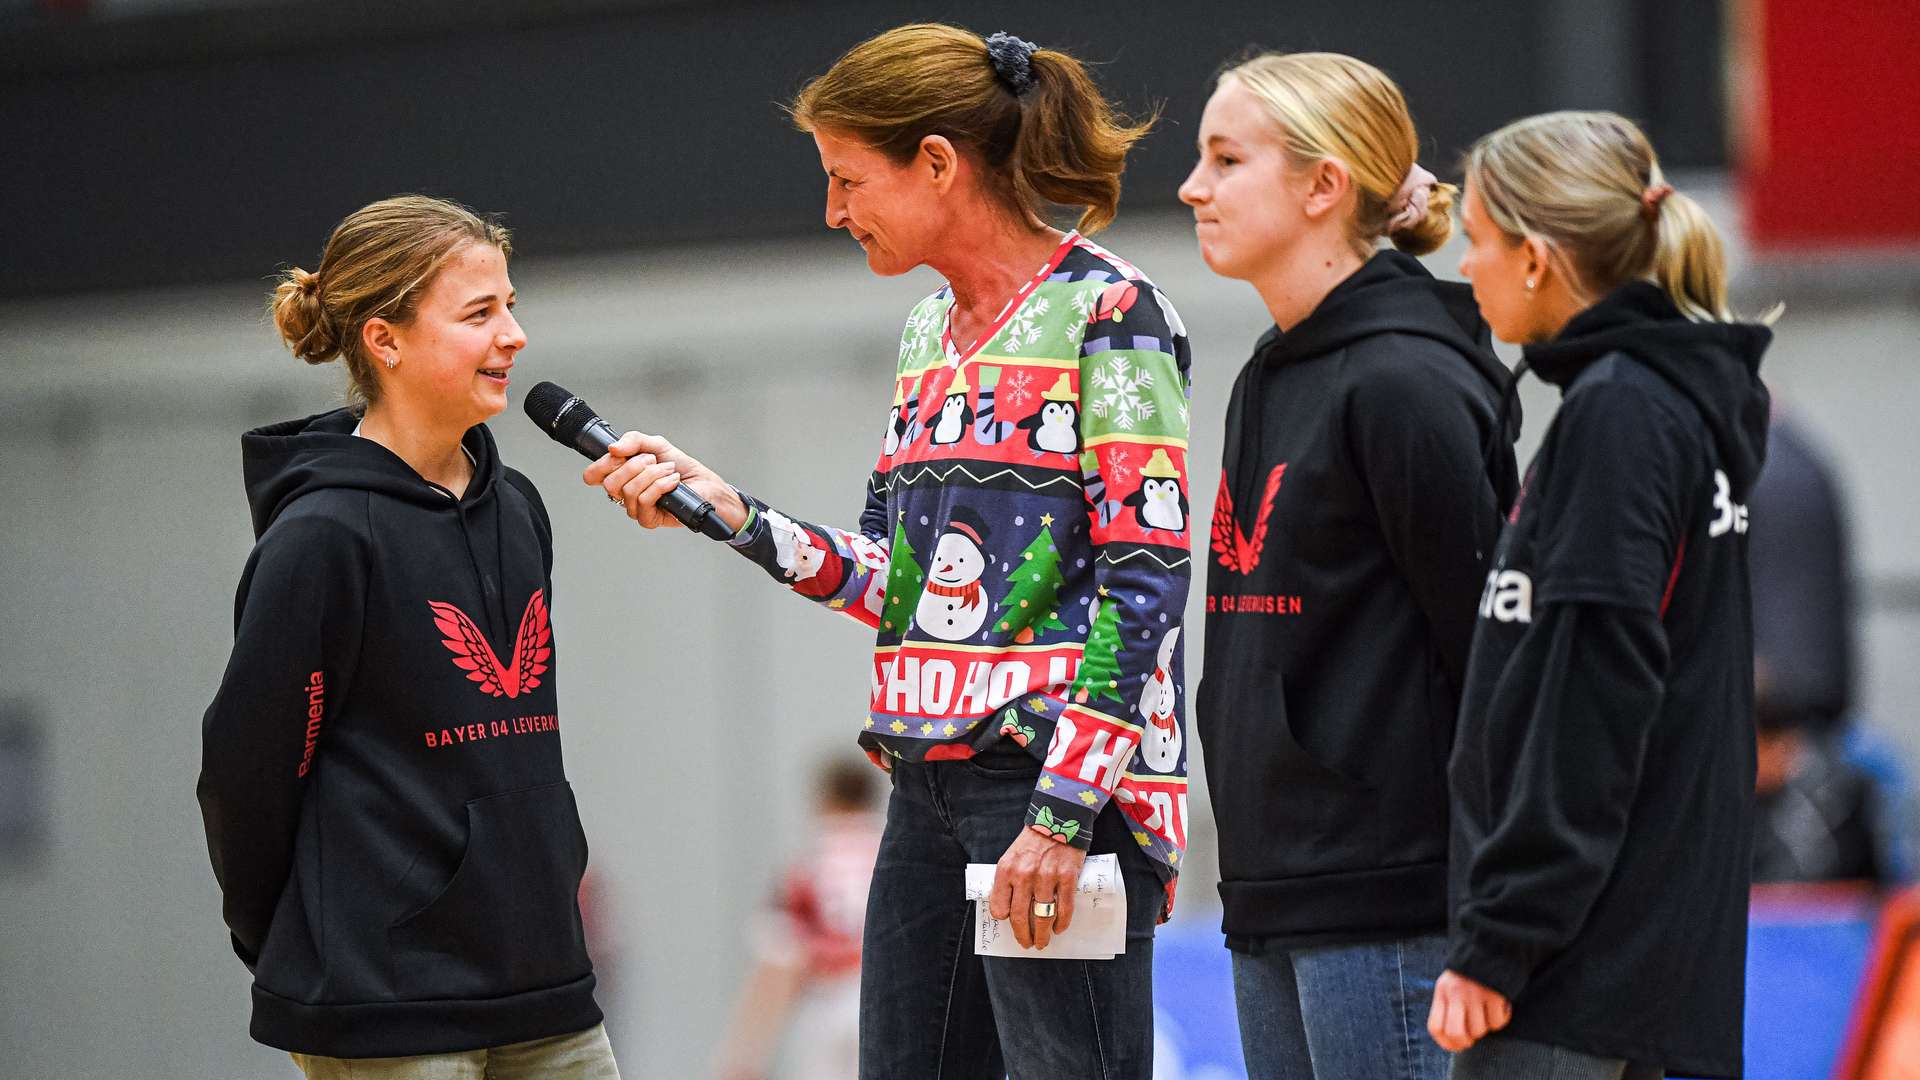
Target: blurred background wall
[[164, 158]]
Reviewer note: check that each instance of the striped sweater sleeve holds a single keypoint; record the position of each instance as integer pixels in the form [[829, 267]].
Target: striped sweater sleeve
[[844, 570], [1130, 687]]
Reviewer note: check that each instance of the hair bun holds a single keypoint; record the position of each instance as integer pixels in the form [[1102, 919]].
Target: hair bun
[[1435, 224], [301, 318]]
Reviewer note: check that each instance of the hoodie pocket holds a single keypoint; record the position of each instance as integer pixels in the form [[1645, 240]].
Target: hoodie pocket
[[508, 920], [1271, 799]]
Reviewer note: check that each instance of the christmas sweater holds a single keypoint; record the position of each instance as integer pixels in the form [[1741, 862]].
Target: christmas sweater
[[1023, 551]]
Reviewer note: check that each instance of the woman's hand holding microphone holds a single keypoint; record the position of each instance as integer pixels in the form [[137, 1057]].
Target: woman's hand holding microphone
[[1036, 874], [639, 469]]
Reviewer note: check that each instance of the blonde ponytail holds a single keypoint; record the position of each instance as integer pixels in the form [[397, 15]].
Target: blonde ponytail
[[1590, 185], [1689, 260]]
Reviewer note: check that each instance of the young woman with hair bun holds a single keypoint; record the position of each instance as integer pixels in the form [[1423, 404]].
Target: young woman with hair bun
[[1365, 468], [1603, 771], [1022, 558], [398, 851]]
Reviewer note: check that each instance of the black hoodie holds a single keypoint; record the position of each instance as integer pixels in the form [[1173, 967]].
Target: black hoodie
[[1603, 772], [385, 804], [1357, 510]]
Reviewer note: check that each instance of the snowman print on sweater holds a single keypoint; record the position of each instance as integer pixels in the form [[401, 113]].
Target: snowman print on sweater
[[1160, 742], [953, 606]]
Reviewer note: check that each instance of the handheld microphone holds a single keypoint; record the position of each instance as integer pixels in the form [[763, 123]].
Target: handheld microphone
[[571, 422]]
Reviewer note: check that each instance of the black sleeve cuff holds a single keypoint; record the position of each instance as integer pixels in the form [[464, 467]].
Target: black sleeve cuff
[[1505, 972]]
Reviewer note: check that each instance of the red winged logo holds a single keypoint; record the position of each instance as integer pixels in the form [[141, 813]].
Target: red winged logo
[[532, 647], [1237, 553]]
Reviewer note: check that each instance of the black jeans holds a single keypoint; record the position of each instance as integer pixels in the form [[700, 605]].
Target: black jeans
[[932, 1010]]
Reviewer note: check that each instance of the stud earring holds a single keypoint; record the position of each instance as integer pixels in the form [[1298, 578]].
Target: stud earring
[[1529, 289], [392, 360]]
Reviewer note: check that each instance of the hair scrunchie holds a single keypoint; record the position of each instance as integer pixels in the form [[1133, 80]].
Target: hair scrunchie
[[1012, 60], [1651, 198], [1409, 204]]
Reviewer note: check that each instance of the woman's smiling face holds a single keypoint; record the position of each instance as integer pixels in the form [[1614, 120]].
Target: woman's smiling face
[[454, 354], [893, 211]]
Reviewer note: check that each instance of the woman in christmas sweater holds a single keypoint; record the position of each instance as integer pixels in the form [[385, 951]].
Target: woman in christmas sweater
[[1023, 553]]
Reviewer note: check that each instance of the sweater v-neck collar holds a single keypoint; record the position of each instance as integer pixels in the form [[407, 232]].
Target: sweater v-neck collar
[[955, 357]]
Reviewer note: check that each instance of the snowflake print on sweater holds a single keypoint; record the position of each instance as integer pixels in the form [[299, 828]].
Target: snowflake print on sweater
[[1017, 586]]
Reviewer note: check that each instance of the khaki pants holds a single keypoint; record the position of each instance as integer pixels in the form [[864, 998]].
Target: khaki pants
[[584, 1055]]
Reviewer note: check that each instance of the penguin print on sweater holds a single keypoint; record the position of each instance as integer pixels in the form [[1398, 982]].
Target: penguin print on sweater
[[1161, 501], [1055, 429], [956, 415]]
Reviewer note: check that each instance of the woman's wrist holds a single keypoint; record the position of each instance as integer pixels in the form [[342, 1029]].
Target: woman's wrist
[[730, 506]]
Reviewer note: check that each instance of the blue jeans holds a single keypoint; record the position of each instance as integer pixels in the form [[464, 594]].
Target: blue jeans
[[929, 1007], [1341, 1012]]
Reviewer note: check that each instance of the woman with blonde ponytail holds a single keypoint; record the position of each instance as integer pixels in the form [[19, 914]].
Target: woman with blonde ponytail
[[1603, 770], [398, 851], [1364, 472]]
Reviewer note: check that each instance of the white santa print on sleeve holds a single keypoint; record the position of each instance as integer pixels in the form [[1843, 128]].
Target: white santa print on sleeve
[[953, 606], [1160, 741], [793, 547]]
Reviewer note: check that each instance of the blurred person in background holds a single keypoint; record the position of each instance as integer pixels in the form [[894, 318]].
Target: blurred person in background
[[1834, 801], [1603, 770], [1365, 432], [1819, 816], [385, 801], [1022, 557], [1802, 565], [806, 971]]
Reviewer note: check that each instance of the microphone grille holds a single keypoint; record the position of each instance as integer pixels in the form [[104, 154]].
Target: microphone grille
[[558, 412]]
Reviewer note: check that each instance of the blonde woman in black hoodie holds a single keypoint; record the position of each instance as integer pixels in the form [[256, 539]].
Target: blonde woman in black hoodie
[[388, 814], [1364, 470], [1603, 771]]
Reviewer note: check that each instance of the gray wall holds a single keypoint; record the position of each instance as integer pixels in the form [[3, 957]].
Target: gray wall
[[213, 144], [688, 675]]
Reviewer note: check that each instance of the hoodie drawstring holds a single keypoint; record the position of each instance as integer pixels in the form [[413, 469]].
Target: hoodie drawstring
[[1244, 483], [1500, 436]]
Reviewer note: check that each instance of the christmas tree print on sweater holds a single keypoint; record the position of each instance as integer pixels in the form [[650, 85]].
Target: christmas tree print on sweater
[[1033, 592], [1022, 556], [1100, 664], [904, 581]]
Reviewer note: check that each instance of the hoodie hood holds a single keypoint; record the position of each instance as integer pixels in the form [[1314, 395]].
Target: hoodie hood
[[1715, 365], [281, 462], [1392, 293]]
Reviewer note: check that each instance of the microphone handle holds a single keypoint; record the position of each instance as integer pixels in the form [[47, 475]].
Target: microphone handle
[[689, 508]]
